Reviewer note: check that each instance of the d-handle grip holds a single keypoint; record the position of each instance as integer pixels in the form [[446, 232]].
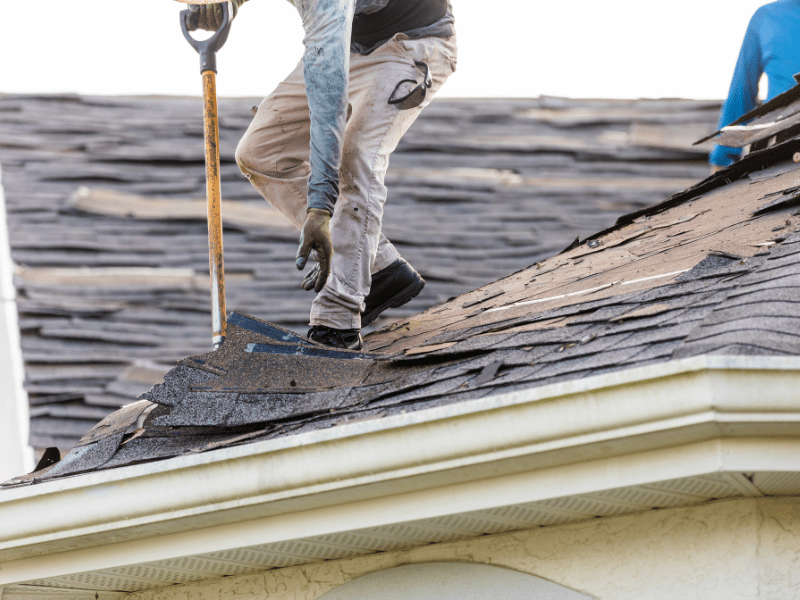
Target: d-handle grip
[[207, 49]]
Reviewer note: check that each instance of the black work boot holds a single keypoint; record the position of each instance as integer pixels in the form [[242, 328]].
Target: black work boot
[[336, 338], [391, 287]]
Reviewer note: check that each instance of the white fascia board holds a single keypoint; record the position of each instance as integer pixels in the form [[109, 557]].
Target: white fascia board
[[552, 432], [671, 463], [17, 455]]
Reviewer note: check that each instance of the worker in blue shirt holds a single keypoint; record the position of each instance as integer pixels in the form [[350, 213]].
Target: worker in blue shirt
[[772, 46]]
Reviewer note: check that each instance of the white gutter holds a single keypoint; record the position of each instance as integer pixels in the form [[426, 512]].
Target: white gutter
[[17, 456], [677, 419]]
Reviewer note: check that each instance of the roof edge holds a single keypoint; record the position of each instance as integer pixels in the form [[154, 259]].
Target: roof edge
[[687, 401], [750, 163]]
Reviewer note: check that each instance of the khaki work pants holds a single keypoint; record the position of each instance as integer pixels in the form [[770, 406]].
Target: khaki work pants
[[274, 156]]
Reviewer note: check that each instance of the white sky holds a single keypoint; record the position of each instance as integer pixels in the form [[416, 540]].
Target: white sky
[[521, 48]]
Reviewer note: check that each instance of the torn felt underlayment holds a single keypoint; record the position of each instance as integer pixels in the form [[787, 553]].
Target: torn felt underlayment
[[713, 270]]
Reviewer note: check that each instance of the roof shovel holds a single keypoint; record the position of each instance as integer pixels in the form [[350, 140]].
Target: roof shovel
[[208, 68]]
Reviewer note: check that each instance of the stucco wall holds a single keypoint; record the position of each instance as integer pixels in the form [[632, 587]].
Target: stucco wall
[[732, 549]]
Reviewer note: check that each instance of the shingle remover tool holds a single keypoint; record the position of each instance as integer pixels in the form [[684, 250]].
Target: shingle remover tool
[[208, 69]]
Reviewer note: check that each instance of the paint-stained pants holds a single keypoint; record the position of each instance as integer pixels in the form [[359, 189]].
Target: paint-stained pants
[[274, 156]]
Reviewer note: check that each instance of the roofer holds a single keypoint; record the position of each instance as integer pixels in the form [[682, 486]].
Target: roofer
[[771, 45], [319, 145]]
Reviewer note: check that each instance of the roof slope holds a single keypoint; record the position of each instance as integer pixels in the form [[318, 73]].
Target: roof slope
[[709, 271], [712, 270], [107, 223]]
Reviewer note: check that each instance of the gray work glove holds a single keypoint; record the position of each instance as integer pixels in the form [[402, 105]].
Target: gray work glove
[[209, 16], [310, 280], [316, 235]]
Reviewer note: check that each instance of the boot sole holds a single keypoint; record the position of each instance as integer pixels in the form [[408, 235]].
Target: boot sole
[[409, 293]]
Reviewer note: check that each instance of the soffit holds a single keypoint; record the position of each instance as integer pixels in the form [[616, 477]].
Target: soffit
[[116, 582]]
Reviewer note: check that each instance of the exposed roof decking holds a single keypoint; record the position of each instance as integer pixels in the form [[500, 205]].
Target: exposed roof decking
[[650, 252]]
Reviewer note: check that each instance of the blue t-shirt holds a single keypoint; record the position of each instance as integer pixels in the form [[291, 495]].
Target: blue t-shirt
[[772, 46]]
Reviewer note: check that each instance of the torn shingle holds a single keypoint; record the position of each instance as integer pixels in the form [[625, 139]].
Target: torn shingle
[[715, 265], [487, 373]]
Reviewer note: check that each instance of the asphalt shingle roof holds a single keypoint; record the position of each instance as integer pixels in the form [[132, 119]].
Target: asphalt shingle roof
[[107, 221], [707, 271]]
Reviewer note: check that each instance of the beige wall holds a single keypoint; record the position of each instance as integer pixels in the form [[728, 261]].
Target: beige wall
[[731, 549]]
